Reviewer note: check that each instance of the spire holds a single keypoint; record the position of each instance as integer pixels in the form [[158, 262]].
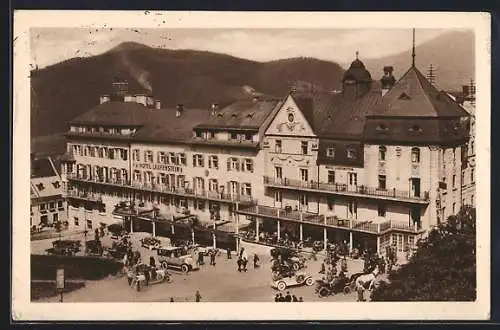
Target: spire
[[357, 55], [413, 50]]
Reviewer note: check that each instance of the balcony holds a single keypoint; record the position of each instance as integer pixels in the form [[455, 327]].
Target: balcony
[[345, 190], [193, 193], [83, 195], [117, 182], [329, 222]]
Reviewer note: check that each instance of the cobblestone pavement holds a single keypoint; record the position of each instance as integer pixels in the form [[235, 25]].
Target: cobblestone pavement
[[220, 283]]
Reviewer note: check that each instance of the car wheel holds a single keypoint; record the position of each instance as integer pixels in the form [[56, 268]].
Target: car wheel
[[164, 264], [347, 289], [168, 278], [323, 292], [185, 268], [281, 285], [275, 276], [309, 281], [296, 266]]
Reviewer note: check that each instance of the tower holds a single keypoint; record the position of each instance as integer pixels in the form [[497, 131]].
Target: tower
[[356, 81]]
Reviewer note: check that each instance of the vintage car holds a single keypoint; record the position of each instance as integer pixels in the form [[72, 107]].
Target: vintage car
[[290, 257], [176, 258], [94, 247], [293, 280], [71, 245], [150, 243]]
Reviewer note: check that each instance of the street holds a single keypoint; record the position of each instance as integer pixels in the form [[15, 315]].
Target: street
[[219, 283]]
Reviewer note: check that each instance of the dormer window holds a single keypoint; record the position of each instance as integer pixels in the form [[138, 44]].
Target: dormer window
[[351, 153], [220, 114], [415, 128], [56, 184], [382, 128], [40, 186], [234, 115], [330, 152], [198, 134], [404, 96], [250, 115]]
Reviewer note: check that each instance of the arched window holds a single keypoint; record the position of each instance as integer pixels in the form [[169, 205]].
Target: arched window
[[382, 150], [415, 155]]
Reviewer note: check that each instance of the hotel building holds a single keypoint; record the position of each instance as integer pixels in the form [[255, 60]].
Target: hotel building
[[376, 164]]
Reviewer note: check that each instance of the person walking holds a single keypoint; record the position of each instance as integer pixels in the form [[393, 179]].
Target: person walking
[[212, 257], [294, 298], [228, 251], [198, 296], [281, 299], [244, 259], [288, 297], [171, 299], [201, 262], [300, 299], [255, 260], [277, 298]]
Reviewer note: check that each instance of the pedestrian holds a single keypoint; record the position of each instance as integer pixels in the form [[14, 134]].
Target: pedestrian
[[288, 297], [228, 251], [152, 262], [294, 298], [277, 298], [201, 262], [244, 259], [300, 299], [343, 265], [281, 299], [198, 296], [171, 299], [255, 261], [212, 258]]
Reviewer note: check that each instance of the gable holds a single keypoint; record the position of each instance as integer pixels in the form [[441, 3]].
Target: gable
[[290, 121]]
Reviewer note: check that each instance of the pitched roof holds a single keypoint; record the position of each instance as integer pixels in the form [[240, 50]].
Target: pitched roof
[[45, 180], [115, 113], [42, 167], [414, 96], [163, 125], [316, 106], [248, 114]]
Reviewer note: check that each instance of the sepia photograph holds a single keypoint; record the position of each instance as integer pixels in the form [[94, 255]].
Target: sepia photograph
[[189, 157]]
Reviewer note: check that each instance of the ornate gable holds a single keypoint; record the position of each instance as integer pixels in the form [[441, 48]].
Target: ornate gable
[[290, 120]]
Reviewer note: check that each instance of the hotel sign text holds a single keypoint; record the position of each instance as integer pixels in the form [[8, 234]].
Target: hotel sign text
[[161, 167]]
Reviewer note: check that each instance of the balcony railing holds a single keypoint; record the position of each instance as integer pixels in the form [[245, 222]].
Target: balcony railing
[[348, 189], [330, 221], [109, 181], [84, 195], [195, 193]]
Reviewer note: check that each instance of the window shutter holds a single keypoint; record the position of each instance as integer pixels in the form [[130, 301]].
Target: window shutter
[[242, 189], [194, 160], [237, 164], [229, 164]]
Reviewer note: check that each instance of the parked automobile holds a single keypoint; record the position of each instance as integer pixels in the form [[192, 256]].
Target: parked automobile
[[93, 247], [150, 243], [293, 280], [73, 245], [176, 258]]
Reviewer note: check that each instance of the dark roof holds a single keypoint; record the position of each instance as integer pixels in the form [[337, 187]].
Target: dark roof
[[316, 106], [42, 167], [116, 113], [163, 125], [414, 96], [358, 72], [248, 114], [340, 155]]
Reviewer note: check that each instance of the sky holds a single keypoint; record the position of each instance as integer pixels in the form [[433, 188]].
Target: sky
[[53, 45]]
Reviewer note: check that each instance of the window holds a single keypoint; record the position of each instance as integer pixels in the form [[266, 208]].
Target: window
[[182, 159], [162, 157], [213, 185], [304, 175], [472, 147], [472, 175], [304, 201], [233, 164], [89, 224], [248, 165], [137, 176], [278, 197], [75, 221], [42, 207], [415, 155], [331, 203], [199, 204], [234, 136], [277, 146], [246, 189], [382, 150], [472, 200], [198, 161], [148, 156], [351, 153], [163, 178], [248, 136], [331, 177], [353, 179], [454, 154], [381, 210], [304, 147], [211, 135], [279, 172], [381, 182], [172, 158], [330, 152], [59, 204], [124, 154], [453, 180], [453, 206], [213, 162], [135, 155], [100, 152], [198, 134]]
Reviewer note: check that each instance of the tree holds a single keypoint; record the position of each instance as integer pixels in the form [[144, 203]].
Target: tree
[[443, 267]]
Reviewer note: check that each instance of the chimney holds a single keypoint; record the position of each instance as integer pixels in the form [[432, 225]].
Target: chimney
[[214, 109], [142, 99], [120, 87], [179, 110], [387, 80], [158, 104], [104, 98]]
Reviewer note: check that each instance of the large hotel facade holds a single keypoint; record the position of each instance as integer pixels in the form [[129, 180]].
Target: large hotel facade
[[376, 164]]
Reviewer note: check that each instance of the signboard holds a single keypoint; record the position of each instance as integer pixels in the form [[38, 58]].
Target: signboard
[[162, 167], [60, 279]]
